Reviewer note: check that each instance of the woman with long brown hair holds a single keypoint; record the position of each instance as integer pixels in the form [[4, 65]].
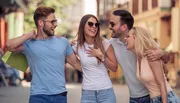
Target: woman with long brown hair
[[96, 56]]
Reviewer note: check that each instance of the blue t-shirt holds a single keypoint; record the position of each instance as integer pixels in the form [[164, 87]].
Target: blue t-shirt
[[46, 59]]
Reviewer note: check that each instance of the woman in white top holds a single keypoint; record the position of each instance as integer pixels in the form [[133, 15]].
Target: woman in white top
[[150, 73], [96, 56]]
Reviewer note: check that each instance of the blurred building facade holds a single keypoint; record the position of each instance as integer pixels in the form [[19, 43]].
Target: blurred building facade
[[76, 11], [161, 18], [11, 19]]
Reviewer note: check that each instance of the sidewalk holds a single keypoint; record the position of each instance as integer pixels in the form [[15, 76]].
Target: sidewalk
[[21, 94]]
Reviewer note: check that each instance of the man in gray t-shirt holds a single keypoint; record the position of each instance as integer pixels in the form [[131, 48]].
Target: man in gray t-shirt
[[121, 22]]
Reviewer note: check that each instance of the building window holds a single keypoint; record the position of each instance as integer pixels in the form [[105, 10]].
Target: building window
[[135, 6], [144, 5], [154, 3]]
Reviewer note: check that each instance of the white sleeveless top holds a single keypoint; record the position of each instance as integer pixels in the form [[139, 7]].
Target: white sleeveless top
[[95, 76]]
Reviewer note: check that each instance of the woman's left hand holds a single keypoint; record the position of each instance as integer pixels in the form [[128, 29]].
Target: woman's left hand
[[92, 52]]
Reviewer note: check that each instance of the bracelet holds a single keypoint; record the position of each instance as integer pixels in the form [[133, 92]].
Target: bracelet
[[103, 58]]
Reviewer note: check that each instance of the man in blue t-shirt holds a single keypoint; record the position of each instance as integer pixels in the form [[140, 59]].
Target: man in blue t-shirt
[[46, 55]]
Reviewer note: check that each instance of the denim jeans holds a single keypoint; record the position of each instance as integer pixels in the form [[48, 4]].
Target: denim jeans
[[172, 98], [41, 98], [98, 96], [144, 99]]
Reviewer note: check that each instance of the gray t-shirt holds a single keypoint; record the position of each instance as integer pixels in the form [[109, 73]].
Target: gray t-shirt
[[127, 61]]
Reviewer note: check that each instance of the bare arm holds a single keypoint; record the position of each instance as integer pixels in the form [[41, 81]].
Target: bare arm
[[158, 72], [74, 61], [110, 61], [165, 57], [15, 44], [155, 54]]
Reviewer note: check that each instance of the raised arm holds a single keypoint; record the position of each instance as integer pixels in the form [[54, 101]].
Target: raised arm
[[110, 61], [74, 61], [158, 72], [15, 44]]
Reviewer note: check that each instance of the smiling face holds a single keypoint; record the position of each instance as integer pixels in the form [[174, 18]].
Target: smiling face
[[130, 40], [91, 27], [50, 24], [115, 26], [45, 20]]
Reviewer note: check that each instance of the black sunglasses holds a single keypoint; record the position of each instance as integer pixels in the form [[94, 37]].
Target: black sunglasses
[[91, 24], [112, 24], [52, 21]]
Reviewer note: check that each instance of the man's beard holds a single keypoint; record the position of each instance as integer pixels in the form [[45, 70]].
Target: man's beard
[[47, 32], [117, 34]]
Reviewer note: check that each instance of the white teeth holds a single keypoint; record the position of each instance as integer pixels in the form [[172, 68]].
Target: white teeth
[[92, 31]]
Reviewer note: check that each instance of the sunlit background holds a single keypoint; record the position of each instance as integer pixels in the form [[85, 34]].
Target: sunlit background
[[160, 17]]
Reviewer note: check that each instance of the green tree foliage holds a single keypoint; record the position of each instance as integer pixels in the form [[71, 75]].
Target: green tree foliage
[[58, 5]]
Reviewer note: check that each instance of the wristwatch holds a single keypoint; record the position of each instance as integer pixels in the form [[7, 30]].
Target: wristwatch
[[103, 58]]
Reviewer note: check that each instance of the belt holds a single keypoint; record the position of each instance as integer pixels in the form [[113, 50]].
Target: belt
[[140, 97], [63, 94]]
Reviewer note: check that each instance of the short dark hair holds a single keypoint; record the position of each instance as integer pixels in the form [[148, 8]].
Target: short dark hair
[[125, 17], [42, 12]]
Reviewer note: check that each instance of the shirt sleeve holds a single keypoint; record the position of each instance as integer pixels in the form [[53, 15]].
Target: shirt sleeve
[[25, 45], [106, 44], [156, 44], [69, 50], [75, 48]]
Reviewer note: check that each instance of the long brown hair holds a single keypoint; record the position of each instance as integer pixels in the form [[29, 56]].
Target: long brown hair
[[81, 34]]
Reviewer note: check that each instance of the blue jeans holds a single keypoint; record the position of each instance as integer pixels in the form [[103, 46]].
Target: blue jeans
[[172, 98], [41, 98], [144, 99], [98, 96]]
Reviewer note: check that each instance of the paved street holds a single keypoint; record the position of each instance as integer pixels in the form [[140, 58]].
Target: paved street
[[74, 93], [21, 94]]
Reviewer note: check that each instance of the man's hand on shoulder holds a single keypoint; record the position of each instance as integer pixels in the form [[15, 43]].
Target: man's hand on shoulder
[[58, 35], [15, 44], [154, 54], [73, 42], [31, 35]]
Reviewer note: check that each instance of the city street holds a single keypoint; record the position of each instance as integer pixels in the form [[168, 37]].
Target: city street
[[21, 94]]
